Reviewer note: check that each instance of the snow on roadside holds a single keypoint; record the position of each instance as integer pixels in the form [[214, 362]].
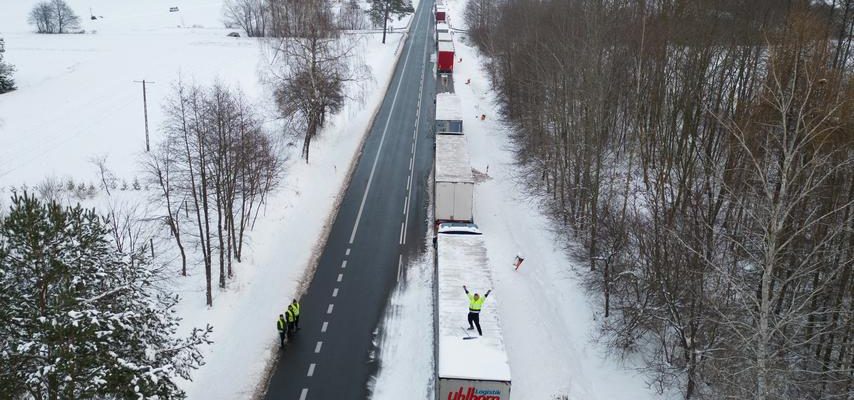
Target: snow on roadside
[[406, 336]]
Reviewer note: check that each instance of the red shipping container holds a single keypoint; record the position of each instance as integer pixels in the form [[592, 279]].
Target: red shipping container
[[445, 59], [440, 13]]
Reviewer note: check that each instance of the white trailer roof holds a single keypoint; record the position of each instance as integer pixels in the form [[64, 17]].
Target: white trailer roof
[[452, 159], [442, 27], [446, 46], [448, 107], [445, 37], [462, 260]]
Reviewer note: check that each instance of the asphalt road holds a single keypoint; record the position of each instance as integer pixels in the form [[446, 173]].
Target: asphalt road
[[380, 225]]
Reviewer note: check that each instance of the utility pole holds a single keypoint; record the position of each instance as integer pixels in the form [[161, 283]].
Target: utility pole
[[145, 111]]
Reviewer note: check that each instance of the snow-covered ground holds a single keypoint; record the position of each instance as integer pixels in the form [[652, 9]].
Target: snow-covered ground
[[547, 318], [77, 99]]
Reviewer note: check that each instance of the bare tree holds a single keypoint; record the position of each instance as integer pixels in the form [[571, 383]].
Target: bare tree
[[218, 158], [53, 16], [65, 18], [249, 15], [42, 17], [108, 180], [314, 70], [351, 16], [162, 168]]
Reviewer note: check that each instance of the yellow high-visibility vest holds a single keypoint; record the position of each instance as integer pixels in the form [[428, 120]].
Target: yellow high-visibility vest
[[290, 314], [280, 323], [296, 309], [476, 304]]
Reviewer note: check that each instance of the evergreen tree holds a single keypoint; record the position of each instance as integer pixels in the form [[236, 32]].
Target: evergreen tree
[[79, 320], [7, 84], [382, 10]]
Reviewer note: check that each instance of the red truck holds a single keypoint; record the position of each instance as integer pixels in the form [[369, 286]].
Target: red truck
[[445, 59], [441, 13]]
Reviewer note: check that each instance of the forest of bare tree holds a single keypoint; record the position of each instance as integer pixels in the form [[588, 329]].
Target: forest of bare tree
[[703, 154], [213, 173]]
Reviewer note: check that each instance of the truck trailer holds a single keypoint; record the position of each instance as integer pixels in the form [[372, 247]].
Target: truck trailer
[[468, 366], [441, 13], [453, 184], [449, 116], [445, 58]]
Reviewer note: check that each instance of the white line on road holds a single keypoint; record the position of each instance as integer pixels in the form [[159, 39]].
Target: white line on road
[[382, 138], [311, 370], [335, 292], [325, 325], [344, 264], [399, 263], [318, 346], [401, 233], [347, 253], [415, 133], [340, 277], [329, 309], [303, 394]]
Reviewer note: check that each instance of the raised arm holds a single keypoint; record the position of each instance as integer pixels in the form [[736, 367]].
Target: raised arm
[[487, 293], [466, 289]]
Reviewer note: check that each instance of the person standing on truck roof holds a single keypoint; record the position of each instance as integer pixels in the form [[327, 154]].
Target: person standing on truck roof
[[295, 305], [475, 305], [282, 326]]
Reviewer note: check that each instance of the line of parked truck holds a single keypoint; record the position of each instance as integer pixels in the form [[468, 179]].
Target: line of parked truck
[[468, 366], [444, 42]]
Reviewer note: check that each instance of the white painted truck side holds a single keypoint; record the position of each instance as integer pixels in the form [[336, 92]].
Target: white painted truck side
[[453, 180]]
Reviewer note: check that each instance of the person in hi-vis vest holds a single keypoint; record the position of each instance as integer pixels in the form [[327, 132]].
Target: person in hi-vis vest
[[295, 307], [282, 326], [475, 305]]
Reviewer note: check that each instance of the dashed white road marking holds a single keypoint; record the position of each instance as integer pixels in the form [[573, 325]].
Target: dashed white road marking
[[335, 292], [347, 253], [399, 263], [344, 264], [329, 309], [317, 347], [303, 394], [311, 369], [325, 325], [401, 233], [340, 277]]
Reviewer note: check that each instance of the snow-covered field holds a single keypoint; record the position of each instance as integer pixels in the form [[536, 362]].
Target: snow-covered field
[[77, 100], [547, 319]]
